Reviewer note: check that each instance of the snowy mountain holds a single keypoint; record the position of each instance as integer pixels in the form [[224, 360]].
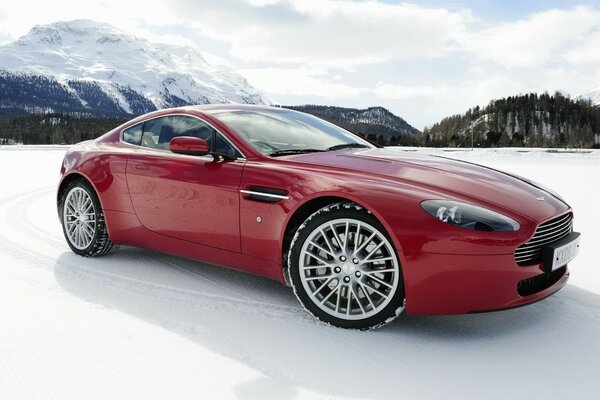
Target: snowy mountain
[[89, 68], [376, 121], [593, 95]]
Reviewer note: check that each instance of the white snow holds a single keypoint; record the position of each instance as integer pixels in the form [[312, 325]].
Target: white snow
[[99, 52], [593, 95], [137, 324]]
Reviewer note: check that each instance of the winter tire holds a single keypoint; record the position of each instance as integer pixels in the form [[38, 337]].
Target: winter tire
[[83, 220], [344, 268]]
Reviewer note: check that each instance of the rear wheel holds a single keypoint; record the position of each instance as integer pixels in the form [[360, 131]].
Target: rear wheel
[[83, 220], [344, 268]]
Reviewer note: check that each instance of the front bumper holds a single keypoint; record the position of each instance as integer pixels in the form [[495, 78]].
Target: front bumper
[[440, 284]]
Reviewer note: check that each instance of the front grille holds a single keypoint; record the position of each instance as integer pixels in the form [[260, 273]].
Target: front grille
[[546, 233]]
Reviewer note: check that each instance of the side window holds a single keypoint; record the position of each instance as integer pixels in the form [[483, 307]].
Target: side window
[[133, 135], [224, 147], [152, 131], [157, 133]]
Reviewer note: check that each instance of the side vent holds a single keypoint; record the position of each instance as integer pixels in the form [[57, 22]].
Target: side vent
[[264, 194]]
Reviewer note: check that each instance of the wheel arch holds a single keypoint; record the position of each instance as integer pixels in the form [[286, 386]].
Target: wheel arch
[[73, 176], [312, 205]]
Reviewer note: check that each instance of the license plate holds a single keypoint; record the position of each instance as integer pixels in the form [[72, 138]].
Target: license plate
[[565, 253]]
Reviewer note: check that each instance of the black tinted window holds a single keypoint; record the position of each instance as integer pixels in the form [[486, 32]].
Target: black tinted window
[[133, 135], [158, 132]]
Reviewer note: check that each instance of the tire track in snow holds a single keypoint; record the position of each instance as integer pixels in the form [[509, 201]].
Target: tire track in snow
[[19, 218], [13, 218], [13, 215]]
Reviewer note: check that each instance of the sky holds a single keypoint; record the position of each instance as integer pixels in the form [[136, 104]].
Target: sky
[[423, 60]]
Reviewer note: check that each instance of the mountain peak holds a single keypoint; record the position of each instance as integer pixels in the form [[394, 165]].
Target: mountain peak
[[76, 26], [593, 95], [121, 68], [54, 33], [377, 120]]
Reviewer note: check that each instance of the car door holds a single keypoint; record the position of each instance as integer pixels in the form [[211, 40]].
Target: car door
[[194, 198]]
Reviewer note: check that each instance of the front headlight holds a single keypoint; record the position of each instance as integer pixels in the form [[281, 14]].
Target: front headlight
[[469, 216]]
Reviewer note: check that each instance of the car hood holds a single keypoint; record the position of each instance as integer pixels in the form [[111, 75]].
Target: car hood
[[447, 178]]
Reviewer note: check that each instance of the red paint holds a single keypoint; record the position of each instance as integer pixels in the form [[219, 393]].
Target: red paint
[[188, 145], [191, 206]]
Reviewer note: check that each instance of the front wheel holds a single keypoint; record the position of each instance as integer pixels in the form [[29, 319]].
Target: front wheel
[[344, 268], [83, 220]]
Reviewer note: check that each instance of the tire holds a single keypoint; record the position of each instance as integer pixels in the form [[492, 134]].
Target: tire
[[344, 269], [83, 221]]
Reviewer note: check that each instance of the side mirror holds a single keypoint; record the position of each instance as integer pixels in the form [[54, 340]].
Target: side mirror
[[189, 145]]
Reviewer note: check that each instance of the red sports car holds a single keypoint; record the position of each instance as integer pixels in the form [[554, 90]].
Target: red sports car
[[360, 232]]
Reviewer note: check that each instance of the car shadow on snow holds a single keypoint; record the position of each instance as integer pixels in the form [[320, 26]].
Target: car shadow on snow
[[546, 350]]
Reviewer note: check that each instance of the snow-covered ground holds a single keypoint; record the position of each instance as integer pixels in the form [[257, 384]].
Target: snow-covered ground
[[137, 324]]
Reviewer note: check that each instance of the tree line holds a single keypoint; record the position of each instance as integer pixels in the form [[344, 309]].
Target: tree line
[[529, 120], [53, 128], [70, 129]]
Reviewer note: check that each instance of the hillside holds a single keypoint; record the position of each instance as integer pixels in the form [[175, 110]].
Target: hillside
[[525, 120], [593, 95], [376, 123], [91, 69]]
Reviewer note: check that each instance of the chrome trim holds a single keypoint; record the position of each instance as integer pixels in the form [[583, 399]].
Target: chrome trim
[[243, 157], [547, 232], [273, 196]]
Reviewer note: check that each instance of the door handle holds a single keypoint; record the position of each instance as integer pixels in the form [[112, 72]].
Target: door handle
[[142, 167]]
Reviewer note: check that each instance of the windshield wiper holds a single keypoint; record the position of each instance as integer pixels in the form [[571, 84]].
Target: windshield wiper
[[287, 152], [346, 146], [293, 151]]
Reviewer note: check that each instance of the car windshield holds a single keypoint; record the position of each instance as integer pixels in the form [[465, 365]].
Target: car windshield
[[281, 132]]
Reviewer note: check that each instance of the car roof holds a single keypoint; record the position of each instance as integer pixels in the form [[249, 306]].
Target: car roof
[[228, 107]]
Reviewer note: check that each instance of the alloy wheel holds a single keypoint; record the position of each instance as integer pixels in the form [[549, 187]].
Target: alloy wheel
[[349, 269], [79, 217]]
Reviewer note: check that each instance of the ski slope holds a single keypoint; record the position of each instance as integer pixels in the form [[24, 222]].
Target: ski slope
[[138, 324]]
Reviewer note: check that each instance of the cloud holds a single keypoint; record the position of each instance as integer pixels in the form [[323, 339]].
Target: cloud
[[585, 51], [5, 37], [424, 105], [300, 81], [22, 15], [330, 33], [404, 92], [344, 33], [422, 62], [534, 41]]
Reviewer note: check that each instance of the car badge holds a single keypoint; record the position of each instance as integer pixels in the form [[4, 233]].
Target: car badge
[[541, 198]]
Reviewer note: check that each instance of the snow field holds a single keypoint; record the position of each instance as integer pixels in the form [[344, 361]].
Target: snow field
[[137, 324]]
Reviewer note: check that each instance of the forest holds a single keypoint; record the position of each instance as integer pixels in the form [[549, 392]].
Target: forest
[[529, 120], [53, 128]]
